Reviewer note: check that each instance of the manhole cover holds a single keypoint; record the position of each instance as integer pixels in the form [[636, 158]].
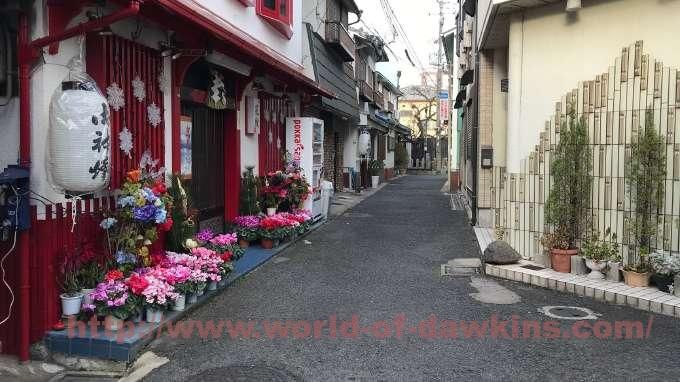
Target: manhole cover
[[243, 374], [569, 313]]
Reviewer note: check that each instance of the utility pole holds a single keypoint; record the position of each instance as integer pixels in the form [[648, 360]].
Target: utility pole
[[440, 45]]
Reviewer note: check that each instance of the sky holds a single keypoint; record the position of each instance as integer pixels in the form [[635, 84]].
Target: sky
[[419, 19]]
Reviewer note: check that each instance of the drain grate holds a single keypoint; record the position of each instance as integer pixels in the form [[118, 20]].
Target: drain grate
[[532, 267], [569, 313], [244, 373], [461, 267]]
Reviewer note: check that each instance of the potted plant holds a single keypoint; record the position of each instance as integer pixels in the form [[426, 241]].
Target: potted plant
[[177, 276], [665, 267], [569, 198], [375, 167], [614, 267], [71, 296], [645, 177], [597, 253], [110, 299], [246, 228], [248, 204], [157, 297], [181, 215], [636, 273], [89, 275]]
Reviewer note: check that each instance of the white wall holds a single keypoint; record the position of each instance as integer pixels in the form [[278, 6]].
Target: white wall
[[500, 106], [349, 153], [549, 52], [389, 155], [247, 20]]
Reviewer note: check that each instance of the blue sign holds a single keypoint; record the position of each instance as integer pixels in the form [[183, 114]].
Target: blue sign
[[443, 94]]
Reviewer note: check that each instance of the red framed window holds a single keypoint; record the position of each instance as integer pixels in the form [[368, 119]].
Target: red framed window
[[278, 13], [247, 3]]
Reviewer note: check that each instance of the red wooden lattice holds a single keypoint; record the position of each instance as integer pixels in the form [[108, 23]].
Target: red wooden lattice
[[115, 59], [272, 138]]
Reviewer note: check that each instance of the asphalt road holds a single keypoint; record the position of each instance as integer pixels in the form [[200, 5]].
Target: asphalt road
[[382, 260]]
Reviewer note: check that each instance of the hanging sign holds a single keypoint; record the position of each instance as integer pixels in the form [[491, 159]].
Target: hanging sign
[[186, 126], [217, 96]]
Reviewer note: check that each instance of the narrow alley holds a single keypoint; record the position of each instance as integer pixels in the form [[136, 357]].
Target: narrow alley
[[381, 260]]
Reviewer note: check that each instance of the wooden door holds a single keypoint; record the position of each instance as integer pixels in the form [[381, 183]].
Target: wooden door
[[207, 163]]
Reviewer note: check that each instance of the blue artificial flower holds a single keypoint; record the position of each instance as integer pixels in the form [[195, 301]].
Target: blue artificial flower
[[108, 223], [126, 201], [125, 258], [149, 195], [160, 215], [144, 213]]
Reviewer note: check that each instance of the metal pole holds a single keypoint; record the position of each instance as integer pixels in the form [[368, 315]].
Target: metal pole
[[440, 44]]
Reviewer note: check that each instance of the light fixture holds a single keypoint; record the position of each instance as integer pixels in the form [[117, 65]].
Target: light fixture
[[176, 55], [228, 62], [106, 31], [573, 5]]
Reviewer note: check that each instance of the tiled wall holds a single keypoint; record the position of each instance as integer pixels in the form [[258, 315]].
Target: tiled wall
[[614, 105], [485, 124]]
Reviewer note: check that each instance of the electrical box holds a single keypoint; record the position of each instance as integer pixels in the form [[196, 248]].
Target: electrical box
[[14, 205], [487, 157]]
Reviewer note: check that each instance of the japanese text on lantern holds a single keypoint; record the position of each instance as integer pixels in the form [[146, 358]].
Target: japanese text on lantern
[[99, 143], [297, 139]]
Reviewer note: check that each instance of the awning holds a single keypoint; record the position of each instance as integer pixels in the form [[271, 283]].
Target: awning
[[376, 123], [459, 99], [193, 12], [467, 77]]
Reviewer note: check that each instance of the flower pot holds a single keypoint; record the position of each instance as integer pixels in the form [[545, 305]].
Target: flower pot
[[200, 292], [271, 211], [112, 323], [596, 268], [243, 243], [154, 315], [86, 295], [180, 303], [137, 318], [561, 259], [614, 271], [375, 181], [212, 285], [70, 305], [636, 279], [192, 298], [267, 243], [663, 282]]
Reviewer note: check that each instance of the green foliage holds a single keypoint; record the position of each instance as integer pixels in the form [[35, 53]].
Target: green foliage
[[249, 190], [569, 200], [184, 226], [597, 250], [645, 175], [90, 274], [376, 167], [401, 159]]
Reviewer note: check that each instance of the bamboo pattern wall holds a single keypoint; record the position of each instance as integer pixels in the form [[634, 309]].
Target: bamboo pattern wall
[[614, 106]]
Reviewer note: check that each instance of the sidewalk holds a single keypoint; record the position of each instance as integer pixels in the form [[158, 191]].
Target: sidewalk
[[345, 200]]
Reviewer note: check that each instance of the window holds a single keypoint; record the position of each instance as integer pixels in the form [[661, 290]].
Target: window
[[278, 13]]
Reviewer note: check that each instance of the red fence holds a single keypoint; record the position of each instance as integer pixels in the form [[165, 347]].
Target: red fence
[[50, 238]]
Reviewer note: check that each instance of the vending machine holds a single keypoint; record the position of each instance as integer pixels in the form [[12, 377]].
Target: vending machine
[[304, 142]]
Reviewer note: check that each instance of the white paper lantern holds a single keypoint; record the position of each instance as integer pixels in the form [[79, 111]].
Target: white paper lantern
[[78, 143], [364, 142]]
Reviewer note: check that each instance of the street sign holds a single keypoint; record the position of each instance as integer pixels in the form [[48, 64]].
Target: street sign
[[443, 94]]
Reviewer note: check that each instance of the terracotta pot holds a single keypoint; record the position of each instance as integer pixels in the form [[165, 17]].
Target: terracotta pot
[[561, 259], [636, 279], [243, 243], [267, 243]]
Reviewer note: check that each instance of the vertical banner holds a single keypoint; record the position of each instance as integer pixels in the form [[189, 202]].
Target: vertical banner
[[443, 107]]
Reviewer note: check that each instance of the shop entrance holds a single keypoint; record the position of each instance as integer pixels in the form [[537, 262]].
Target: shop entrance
[[207, 162], [209, 148]]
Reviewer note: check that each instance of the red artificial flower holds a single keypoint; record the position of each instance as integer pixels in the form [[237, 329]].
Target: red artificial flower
[[159, 188], [157, 258], [137, 284], [134, 175], [167, 226], [226, 256], [114, 275]]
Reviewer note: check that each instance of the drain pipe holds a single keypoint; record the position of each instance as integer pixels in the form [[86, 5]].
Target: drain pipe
[[28, 52]]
